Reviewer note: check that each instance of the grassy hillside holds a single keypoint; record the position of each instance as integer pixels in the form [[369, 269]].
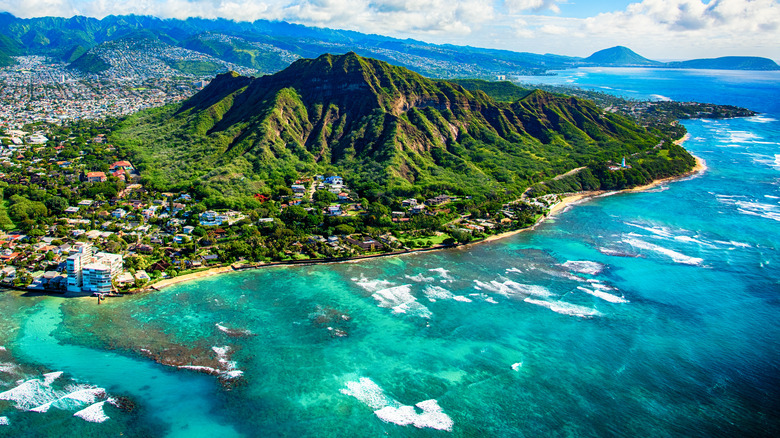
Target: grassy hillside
[[385, 128]]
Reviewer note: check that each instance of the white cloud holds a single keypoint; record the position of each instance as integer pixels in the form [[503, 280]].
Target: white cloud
[[654, 28], [737, 26], [533, 5]]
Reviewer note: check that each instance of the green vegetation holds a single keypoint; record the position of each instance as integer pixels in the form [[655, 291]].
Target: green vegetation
[[503, 91], [391, 132], [90, 63], [197, 68], [8, 48]]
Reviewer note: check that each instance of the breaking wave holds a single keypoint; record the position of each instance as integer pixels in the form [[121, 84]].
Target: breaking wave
[[401, 300], [603, 295], [512, 289], [392, 411], [584, 266], [674, 255], [565, 308]]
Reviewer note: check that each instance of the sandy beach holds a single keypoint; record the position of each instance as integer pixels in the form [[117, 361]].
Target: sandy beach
[[207, 273]]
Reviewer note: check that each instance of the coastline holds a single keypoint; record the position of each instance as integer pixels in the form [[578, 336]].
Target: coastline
[[194, 276], [561, 206]]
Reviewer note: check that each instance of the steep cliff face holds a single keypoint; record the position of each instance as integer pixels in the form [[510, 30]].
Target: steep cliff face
[[361, 113]]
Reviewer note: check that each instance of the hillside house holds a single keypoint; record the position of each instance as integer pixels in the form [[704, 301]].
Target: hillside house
[[96, 177]]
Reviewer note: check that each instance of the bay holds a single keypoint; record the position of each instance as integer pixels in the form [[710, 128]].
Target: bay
[[650, 313]]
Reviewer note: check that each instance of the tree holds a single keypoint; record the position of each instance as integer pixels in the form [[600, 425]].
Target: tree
[[56, 204], [344, 229], [324, 197]]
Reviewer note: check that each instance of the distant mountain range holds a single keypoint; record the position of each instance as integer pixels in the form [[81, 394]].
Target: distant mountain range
[[269, 46]]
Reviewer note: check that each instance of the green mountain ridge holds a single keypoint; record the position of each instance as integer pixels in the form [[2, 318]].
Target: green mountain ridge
[[270, 46], [383, 127]]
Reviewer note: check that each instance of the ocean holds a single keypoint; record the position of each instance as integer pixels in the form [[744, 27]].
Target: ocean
[[633, 314]]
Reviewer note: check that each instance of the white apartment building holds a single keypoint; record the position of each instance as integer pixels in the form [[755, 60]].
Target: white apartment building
[[92, 273]]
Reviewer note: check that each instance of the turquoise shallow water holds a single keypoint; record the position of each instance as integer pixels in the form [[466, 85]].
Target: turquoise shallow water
[[650, 314]]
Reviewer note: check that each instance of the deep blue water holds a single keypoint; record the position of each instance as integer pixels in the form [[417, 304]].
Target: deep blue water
[[636, 314]]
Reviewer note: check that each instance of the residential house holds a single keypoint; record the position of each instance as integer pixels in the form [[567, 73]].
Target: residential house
[[96, 177], [124, 165], [334, 180]]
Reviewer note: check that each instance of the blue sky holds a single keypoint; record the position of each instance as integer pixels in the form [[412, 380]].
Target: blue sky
[[657, 29]]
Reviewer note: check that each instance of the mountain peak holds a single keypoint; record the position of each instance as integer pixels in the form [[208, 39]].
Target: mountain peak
[[618, 55]]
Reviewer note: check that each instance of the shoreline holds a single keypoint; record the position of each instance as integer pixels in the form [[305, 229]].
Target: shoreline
[[566, 201]]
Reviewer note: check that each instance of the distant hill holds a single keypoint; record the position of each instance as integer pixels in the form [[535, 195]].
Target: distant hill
[[90, 63], [383, 127], [728, 63], [619, 56]]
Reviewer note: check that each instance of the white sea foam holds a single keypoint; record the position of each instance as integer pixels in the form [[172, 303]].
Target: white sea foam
[[391, 411], [584, 266], [4, 421], [512, 289], [443, 273], [231, 331], [688, 239], [371, 285], [437, 293], [75, 397], [603, 295], [661, 98], [8, 367], [742, 137], [515, 270], [93, 413], [434, 293], [767, 211], [674, 255], [658, 231], [199, 368], [432, 416], [752, 208], [221, 352], [49, 378], [565, 308], [760, 119], [30, 394], [232, 374], [733, 243], [367, 392], [401, 300], [517, 366], [419, 278]]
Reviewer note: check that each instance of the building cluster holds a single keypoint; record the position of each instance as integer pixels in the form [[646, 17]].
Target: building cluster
[[42, 89]]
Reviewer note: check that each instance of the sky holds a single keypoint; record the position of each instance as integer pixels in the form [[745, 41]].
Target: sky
[[657, 29]]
